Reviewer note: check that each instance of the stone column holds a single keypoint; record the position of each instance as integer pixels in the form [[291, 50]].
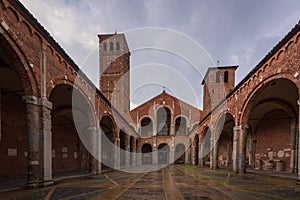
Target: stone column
[[116, 159], [193, 155], [211, 152], [215, 152], [127, 151], [235, 150], [154, 152], [133, 153], [293, 148], [93, 148], [253, 147], [242, 149], [172, 150], [201, 158], [298, 182], [186, 153], [39, 141]]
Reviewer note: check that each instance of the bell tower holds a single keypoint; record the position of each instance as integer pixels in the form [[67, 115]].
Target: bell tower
[[114, 62], [218, 82]]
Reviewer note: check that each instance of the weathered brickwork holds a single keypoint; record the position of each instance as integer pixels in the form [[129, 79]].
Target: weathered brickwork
[[256, 125]]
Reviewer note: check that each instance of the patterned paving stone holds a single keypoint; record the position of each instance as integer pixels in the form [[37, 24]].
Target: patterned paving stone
[[32, 196], [64, 192]]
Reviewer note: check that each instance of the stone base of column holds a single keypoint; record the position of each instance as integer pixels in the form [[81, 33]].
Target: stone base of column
[[38, 184]]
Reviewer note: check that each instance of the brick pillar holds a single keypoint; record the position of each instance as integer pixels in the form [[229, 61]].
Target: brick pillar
[[39, 141], [235, 150], [93, 148], [242, 149]]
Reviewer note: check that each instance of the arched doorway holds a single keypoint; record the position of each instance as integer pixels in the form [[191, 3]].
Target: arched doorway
[[163, 154], [206, 147], [180, 126], [146, 154], [146, 127], [180, 154], [68, 151], [13, 117], [271, 117], [225, 141], [163, 121], [107, 142]]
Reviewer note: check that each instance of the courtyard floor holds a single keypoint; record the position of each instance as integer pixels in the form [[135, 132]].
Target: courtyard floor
[[172, 182]]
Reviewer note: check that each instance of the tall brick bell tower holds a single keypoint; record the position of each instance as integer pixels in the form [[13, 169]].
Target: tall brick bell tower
[[114, 62], [218, 82]]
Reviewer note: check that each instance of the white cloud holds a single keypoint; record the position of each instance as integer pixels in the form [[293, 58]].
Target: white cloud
[[233, 31]]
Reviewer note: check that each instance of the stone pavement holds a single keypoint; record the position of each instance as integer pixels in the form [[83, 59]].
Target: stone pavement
[[173, 182]]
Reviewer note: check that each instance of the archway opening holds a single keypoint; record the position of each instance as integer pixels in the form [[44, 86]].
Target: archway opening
[[163, 153], [180, 126], [206, 147], [146, 127], [68, 151], [107, 141], [225, 142], [180, 154], [146, 154], [272, 119], [163, 121], [13, 117]]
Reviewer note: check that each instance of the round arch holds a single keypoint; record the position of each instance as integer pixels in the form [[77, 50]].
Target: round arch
[[146, 124], [180, 153], [163, 153], [163, 119], [146, 154], [181, 123], [270, 112]]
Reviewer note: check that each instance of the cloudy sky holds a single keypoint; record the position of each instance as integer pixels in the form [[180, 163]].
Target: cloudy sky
[[235, 32]]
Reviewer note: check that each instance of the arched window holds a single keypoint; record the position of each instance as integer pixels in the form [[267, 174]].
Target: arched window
[[218, 77], [226, 76], [111, 46], [163, 121], [180, 126], [104, 46], [117, 46], [146, 127]]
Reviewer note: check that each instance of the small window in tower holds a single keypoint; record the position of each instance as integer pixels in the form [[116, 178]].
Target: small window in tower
[[117, 46], [218, 77], [111, 46], [226, 76], [104, 46]]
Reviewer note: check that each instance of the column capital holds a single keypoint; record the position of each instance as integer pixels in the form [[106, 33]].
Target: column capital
[[92, 129], [30, 99]]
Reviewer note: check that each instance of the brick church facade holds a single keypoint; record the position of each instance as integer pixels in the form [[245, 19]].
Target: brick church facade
[[254, 124]]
